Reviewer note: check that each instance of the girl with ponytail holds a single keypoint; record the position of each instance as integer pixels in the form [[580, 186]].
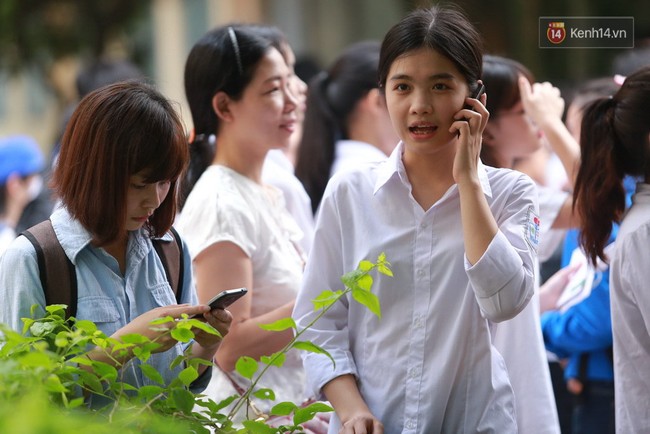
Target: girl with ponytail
[[243, 101], [615, 142]]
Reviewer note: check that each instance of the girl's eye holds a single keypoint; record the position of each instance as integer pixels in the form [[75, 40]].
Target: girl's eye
[[401, 87], [138, 186], [440, 86]]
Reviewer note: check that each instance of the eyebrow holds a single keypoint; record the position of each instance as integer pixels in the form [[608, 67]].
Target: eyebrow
[[440, 76]]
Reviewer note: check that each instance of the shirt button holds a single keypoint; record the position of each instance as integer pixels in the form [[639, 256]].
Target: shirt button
[[423, 225], [410, 424], [420, 272]]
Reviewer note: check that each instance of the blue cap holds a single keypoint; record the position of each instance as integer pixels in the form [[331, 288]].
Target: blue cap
[[20, 155]]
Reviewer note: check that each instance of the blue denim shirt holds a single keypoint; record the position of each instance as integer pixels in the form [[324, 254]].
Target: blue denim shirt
[[105, 296]]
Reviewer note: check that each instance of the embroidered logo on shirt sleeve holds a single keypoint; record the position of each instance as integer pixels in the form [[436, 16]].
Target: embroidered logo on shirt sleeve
[[532, 229]]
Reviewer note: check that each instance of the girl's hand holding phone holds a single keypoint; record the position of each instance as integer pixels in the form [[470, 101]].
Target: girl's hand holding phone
[[469, 124]]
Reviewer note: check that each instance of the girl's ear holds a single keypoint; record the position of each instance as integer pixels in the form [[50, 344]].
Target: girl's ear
[[221, 106]]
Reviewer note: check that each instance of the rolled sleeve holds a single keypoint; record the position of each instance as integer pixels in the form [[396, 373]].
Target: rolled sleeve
[[502, 284]]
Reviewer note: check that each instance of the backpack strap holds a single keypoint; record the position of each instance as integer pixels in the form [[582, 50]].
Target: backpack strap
[[171, 255], [59, 277], [56, 271]]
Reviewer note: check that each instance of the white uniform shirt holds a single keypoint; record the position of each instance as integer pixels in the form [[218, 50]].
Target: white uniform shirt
[[279, 172], [630, 302], [550, 204], [521, 343], [428, 365], [227, 206]]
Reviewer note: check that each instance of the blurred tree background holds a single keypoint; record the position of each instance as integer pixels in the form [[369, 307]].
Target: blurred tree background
[[40, 39]]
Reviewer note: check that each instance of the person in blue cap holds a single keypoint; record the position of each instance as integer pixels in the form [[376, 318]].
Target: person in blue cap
[[21, 162]]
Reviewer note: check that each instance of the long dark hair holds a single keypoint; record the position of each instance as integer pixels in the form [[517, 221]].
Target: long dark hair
[[331, 98], [444, 29], [614, 143], [223, 60]]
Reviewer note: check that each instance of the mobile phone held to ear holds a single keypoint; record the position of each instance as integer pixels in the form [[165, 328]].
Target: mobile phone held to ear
[[225, 299], [476, 95]]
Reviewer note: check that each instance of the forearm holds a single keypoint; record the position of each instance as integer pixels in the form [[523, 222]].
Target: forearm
[[563, 144], [343, 393], [246, 338], [479, 226]]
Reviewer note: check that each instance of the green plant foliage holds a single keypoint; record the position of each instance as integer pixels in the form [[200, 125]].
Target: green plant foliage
[[45, 375]]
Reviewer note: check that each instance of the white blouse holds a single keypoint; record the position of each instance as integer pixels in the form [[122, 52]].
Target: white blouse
[[428, 365], [227, 206]]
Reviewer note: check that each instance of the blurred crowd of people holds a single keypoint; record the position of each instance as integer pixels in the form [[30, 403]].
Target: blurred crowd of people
[[517, 225]]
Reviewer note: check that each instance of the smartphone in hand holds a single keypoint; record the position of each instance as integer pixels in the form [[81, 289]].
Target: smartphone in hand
[[476, 95], [224, 299]]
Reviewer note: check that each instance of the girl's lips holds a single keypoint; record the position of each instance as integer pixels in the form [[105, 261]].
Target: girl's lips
[[289, 126], [422, 131]]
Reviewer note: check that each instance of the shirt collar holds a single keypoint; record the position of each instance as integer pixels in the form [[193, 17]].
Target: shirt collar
[[394, 168], [74, 237]]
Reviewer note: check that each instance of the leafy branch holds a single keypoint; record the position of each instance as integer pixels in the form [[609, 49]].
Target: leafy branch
[[50, 360], [358, 283]]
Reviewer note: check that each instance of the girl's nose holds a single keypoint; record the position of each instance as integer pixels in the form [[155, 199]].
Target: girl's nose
[[421, 103]]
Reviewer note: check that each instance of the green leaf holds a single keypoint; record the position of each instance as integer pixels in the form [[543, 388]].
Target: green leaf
[[188, 375], [276, 359], [163, 320], [104, 370], [147, 393], [326, 298], [36, 360], [305, 414], [280, 325], [40, 329], [365, 282], [61, 340], [202, 325], [368, 299], [349, 279], [76, 403], [85, 325], [151, 373], [312, 348], [255, 427], [53, 384], [182, 334], [57, 310], [183, 399], [385, 270], [246, 367], [265, 394], [90, 381], [283, 408], [365, 266], [134, 338], [177, 361]]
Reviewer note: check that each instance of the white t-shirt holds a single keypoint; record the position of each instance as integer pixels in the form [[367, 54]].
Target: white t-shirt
[[279, 172], [428, 365], [226, 206], [630, 303]]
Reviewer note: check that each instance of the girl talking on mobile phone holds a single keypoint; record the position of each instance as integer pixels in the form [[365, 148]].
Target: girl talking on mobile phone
[[461, 238]]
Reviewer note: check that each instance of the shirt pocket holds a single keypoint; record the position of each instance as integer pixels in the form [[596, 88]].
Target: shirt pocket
[[163, 295], [100, 310]]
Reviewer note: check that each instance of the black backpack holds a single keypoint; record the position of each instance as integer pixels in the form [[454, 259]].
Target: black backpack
[[59, 277]]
